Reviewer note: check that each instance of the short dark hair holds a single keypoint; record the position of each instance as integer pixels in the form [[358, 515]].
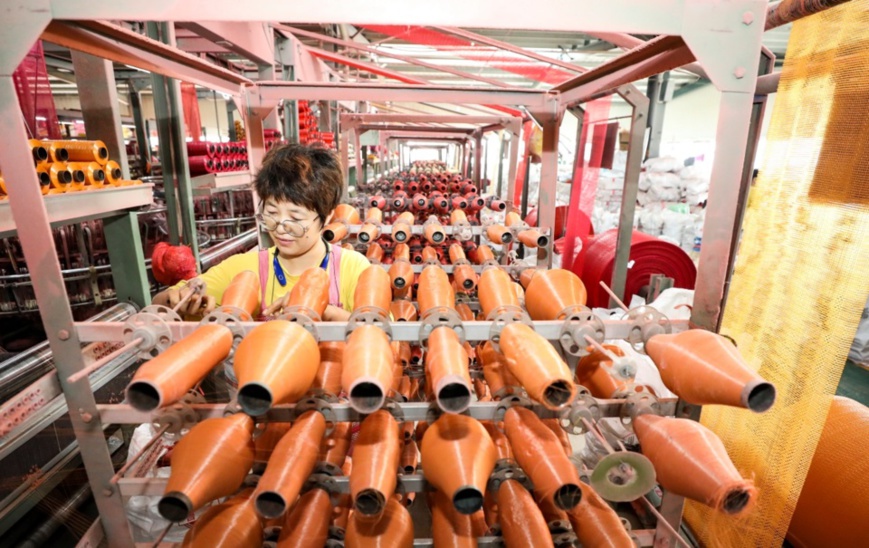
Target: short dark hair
[[306, 175]]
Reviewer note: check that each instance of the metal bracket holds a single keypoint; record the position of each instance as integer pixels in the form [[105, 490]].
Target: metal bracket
[[579, 322], [152, 328], [507, 470], [233, 323], [639, 402], [440, 316], [321, 406], [303, 316], [326, 483], [508, 402], [369, 315], [646, 322], [583, 407], [503, 316], [179, 416]]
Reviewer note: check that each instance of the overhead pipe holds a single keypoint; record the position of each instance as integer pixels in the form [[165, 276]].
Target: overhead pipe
[[209, 462], [217, 253]]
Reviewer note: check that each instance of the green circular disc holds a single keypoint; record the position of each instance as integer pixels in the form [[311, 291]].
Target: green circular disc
[[623, 476]]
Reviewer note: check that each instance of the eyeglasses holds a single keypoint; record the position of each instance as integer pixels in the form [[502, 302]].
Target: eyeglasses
[[292, 228]]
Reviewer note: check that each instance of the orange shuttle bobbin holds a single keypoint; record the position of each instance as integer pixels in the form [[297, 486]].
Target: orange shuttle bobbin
[[446, 364], [328, 377], [433, 231], [373, 294], [210, 462], [242, 296], [401, 227], [533, 238], [596, 523], [370, 230], [704, 368], [83, 151], [334, 447], [376, 456], [522, 523], [307, 525], [461, 227], [435, 291], [541, 456], [393, 530], [559, 294], [457, 457], [537, 365], [430, 256], [168, 377], [275, 363], [463, 274], [690, 460], [368, 368], [401, 271], [374, 253], [309, 297], [484, 255], [499, 234], [449, 528], [291, 462], [496, 293], [403, 311], [344, 216], [232, 524], [38, 151]]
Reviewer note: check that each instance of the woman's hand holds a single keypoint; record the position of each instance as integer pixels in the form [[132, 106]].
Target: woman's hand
[[197, 302], [277, 307], [335, 314]]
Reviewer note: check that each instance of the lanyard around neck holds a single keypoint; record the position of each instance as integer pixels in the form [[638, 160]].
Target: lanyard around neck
[[279, 271]]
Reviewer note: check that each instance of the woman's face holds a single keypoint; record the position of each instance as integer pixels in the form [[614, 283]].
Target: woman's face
[[292, 243]]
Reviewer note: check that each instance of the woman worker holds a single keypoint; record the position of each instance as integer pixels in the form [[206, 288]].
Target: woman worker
[[298, 187]]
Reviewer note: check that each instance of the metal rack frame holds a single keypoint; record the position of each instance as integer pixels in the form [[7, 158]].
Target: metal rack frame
[[706, 29]]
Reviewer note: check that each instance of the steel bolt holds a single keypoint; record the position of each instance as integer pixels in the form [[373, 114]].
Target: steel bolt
[[85, 416], [739, 73], [747, 18], [108, 491], [63, 334]]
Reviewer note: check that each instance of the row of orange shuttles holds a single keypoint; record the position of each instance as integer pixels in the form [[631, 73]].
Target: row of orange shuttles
[[72, 166], [279, 362]]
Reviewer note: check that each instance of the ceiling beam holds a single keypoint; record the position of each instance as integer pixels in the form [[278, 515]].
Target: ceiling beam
[[403, 58]]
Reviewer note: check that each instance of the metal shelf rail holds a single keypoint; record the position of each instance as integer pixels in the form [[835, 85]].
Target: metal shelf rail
[[724, 37]]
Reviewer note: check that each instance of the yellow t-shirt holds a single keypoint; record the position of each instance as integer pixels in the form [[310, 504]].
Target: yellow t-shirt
[[217, 278]]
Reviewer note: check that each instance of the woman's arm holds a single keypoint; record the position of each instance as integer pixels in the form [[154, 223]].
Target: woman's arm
[[335, 314]]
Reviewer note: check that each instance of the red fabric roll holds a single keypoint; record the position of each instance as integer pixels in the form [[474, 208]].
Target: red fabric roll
[[200, 165], [649, 256], [201, 148]]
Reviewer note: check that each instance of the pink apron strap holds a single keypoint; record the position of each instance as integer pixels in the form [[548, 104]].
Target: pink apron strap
[[263, 276], [334, 277]]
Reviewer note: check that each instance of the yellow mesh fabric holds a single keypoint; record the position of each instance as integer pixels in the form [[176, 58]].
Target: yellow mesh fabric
[[802, 274]]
